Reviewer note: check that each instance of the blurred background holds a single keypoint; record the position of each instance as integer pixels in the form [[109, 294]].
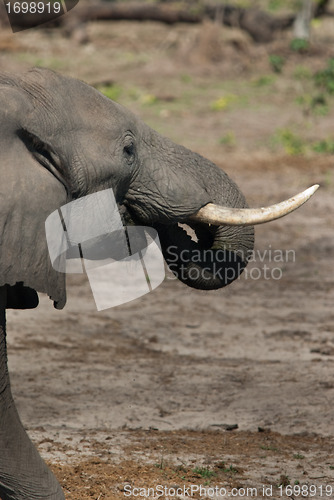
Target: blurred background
[[250, 85]]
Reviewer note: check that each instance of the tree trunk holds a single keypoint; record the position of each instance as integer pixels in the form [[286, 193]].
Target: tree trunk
[[260, 25], [302, 24]]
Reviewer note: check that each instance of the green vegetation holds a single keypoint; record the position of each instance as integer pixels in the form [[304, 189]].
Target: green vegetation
[[223, 102], [298, 456], [268, 448], [228, 139], [185, 78], [324, 146], [277, 62], [294, 144], [291, 142], [32, 59], [204, 472], [302, 73], [264, 81], [299, 45], [275, 5], [316, 104], [324, 79], [149, 99], [318, 89], [111, 91], [230, 470], [272, 6]]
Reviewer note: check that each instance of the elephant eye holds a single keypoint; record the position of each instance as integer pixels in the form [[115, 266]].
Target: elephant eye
[[129, 151]]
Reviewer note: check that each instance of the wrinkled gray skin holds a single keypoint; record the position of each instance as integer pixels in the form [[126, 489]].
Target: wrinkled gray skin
[[61, 139]]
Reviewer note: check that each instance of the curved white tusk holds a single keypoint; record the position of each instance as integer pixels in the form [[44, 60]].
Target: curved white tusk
[[217, 215]]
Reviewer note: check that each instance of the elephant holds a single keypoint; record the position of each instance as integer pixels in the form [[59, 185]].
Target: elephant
[[62, 140]]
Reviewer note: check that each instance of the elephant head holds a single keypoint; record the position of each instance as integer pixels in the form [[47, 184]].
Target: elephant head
[[62, 139]]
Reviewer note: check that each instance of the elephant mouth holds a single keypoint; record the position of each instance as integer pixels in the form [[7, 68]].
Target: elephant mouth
[[203, 256], [200, 255]]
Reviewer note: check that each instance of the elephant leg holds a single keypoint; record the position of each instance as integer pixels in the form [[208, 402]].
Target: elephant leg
[[23, 473]]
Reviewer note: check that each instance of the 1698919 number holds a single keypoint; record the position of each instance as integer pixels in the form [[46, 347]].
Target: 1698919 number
[[33, 7], [306, 491]]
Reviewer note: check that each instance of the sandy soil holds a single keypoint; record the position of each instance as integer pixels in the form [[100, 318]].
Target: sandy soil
[[231, 388]]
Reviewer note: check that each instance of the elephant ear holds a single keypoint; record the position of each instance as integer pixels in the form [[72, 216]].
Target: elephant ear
[[29, 192]]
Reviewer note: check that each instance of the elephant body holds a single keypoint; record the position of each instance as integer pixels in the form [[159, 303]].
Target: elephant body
[[62, 140]]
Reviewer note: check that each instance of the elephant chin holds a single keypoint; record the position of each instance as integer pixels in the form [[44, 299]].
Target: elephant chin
[[208, 259]]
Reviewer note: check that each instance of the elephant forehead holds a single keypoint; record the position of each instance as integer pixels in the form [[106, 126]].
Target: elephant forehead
[[61, 101], [12, 105]]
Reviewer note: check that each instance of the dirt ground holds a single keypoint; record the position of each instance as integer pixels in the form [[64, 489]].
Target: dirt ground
[[181, 388]]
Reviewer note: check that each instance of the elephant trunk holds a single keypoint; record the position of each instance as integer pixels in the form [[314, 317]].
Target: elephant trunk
[[205, 256]]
